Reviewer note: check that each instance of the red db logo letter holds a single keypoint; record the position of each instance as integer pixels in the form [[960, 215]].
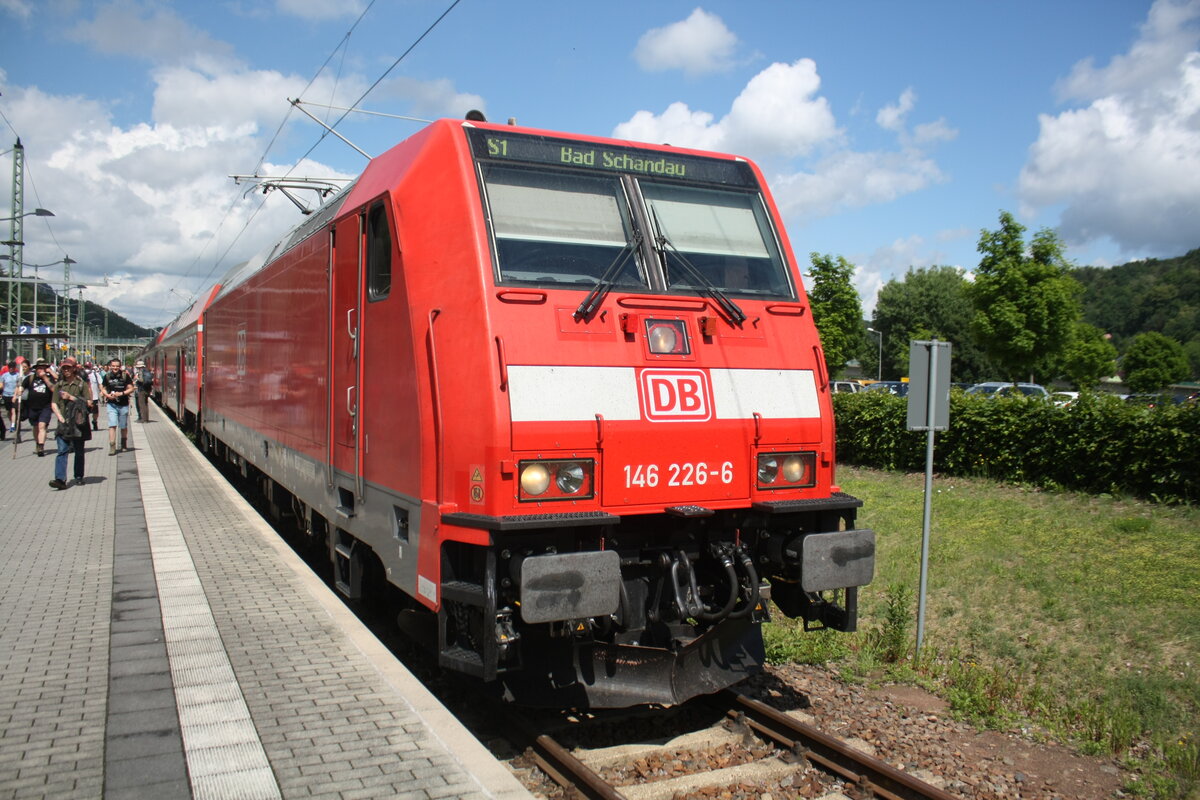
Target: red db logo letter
[[675, 395]]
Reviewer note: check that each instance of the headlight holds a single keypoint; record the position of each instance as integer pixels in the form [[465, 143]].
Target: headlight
[[663, 339], [787, 470], [564, 479], [535, 479], [768, 469], [667, 337], [794, 469], [569, 479]]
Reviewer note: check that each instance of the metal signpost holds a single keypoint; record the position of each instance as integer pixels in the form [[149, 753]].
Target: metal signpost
[[928, 410]]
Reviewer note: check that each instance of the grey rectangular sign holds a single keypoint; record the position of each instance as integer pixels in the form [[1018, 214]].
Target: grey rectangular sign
[[929, 373]]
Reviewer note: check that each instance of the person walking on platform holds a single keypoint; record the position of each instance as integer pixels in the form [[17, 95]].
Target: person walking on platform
[[145, 382], [35, 393], [118, 385], [93, 375], [8, 388], [72, 406]]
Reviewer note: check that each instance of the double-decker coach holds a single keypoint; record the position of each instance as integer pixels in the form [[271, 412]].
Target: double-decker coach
[[564, 392], [177, 360]]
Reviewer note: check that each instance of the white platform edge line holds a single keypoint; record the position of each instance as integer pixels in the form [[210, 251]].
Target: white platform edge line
[[492, 777], [168, 545]]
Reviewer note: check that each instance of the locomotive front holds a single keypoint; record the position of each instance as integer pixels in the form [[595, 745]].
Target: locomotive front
[[671, 463]]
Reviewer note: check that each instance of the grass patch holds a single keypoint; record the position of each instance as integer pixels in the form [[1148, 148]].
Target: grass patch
[[1076, 613]]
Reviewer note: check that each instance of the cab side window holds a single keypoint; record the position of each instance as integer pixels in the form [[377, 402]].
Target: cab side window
[[379, 253]]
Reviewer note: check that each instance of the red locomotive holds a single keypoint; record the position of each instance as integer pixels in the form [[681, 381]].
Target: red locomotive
[[564, 392]]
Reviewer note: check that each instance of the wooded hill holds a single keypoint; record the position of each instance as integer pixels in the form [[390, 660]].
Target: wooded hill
[[110, 324], [1141, 296]]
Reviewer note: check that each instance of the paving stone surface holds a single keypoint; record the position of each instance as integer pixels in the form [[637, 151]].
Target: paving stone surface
[[324, 711], [55, 599], [156, 641]]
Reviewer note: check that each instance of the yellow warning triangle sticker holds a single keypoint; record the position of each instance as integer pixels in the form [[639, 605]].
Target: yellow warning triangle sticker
[[476, 475]]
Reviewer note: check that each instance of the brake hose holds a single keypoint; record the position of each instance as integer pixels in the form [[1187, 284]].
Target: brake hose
[[752, 579], [721, 554]]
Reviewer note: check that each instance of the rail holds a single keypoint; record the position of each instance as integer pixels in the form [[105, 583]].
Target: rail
[[872, 776]]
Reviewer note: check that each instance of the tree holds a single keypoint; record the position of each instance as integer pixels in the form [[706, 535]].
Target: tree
[[1025, 305], [1089, 356], [1148, 295], [1153, 362], [836, 310], [927, 304]]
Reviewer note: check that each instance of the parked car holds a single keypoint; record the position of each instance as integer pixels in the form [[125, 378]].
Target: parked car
[[898, 388], [1061, 399], [1007, 389], [847, 386], [1152, 400]]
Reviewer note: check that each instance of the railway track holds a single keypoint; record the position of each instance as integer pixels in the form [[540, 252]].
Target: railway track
[[778, 750]]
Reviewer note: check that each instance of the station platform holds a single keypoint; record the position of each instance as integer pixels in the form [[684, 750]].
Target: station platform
[[158, 640]]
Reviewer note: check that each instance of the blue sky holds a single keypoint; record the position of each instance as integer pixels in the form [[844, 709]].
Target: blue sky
[[891, 132]]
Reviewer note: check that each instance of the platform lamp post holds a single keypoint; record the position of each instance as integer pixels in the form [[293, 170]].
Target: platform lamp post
[[66, 261], [880, 335], [16, 244], [79, 320]]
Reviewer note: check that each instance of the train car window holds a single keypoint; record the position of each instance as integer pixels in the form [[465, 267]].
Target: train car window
[[725, 235], [379, 253], [554, 228]]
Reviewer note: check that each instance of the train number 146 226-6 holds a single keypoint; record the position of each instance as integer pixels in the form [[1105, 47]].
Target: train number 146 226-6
[[689, 474]]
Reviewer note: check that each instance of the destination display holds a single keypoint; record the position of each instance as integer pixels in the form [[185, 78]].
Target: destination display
[[504, 146]]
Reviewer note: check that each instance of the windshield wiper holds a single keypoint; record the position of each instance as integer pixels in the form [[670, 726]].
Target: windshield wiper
[[731, 309], [596, 295]]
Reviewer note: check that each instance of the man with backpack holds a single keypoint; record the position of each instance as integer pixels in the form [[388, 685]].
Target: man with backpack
[[116, 388]]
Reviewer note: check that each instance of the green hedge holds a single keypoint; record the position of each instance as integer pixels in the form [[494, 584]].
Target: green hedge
[[1097, 444]]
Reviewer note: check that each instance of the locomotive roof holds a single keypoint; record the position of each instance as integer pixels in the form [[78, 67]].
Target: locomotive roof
[[314, 222]]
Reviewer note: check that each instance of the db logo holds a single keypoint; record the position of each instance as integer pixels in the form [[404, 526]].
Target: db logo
[[675, 395]]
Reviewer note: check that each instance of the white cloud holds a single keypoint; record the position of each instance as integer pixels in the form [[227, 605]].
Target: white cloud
[[697, 45], [150, 200], [778, 113], [435, 98], [936, 131], [849, 179], [129, 28], [1124, 166], [678, 125], [892, 117], [1167, 36], [320, 9], [893, 261], [781, 120], [238, 99], [18, 8]]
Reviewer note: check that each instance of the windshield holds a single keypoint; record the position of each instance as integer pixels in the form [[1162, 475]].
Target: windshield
[[595, 216], [555, 227], [724, 235]]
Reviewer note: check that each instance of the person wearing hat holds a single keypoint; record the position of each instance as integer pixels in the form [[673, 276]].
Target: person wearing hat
[[145, 382], [71, 405], [35, 393], [92, 373]]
